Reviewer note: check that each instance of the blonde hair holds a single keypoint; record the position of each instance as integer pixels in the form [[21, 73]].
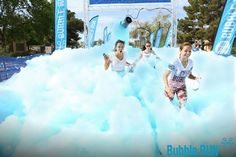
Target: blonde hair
[[185, 44]]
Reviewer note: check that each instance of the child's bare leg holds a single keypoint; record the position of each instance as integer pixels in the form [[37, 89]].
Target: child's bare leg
[[169, 95], [182, 104], [182, 96]]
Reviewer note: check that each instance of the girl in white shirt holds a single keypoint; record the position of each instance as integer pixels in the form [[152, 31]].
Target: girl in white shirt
[[147, 52], [118, 59], [174, 77]]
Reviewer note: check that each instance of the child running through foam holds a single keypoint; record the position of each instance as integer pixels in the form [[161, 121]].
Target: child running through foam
[[118, 59], [174, 77], [146, 53]]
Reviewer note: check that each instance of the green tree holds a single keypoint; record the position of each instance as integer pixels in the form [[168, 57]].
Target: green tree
[[25, 20], [41, 22], [13, 19], [201, 22], [32, 21], [74, 27], [143, 30]]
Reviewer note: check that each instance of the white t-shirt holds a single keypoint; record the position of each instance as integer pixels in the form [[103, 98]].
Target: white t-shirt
[[117, 64], [149, 58], [179, 72], [147, 55]]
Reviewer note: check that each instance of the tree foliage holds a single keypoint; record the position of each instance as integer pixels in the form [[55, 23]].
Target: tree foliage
[[74, 27], [41, 22], [202, 20], [143, 30], [32, 21], [13, 20]]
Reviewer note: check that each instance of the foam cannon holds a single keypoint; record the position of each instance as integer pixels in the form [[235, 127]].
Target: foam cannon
[[126, 21]]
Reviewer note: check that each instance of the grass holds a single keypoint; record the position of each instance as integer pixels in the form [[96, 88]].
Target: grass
[[11, 54]]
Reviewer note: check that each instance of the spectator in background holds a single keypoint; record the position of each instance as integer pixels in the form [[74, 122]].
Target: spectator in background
[[207, 45]]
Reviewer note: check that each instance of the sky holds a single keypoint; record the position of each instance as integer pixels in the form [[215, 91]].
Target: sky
[[108, 18]]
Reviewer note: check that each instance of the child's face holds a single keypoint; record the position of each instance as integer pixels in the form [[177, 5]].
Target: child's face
[[148, 46], [185, 52], [120, 47]]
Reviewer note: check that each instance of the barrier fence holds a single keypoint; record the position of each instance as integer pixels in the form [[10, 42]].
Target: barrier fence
[[11, 65]]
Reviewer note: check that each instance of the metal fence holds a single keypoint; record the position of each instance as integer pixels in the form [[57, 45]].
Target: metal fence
[[12, 65]]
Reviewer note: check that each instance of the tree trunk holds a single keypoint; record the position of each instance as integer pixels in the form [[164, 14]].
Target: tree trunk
[[4, 39], [25, 46], [14, 46]]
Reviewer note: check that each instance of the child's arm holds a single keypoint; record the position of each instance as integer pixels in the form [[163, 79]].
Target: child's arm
[[153, 52], [165, 79], [140, 56], [191, 76], [107, 62], [137, 60], [127, 63]]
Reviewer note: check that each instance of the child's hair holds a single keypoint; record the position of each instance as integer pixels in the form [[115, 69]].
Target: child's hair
[[144, 46], [119, 41], [185, 44]]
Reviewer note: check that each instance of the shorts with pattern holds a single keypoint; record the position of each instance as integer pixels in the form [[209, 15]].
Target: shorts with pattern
[[180, 92]]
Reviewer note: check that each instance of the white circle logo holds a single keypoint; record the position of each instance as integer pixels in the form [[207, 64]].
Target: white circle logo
[[223, 47]]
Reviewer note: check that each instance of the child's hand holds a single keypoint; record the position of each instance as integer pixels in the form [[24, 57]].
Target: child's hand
[[169, 91], [107, 59], [198, 78], [105, 56]]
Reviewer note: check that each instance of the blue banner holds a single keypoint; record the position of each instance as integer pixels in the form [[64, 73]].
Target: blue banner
[[92, 29], [168, 37], [226, 30], [109, 36], [127, 1], [60, 24], [105, 35], [158, 37], [151, 38]]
